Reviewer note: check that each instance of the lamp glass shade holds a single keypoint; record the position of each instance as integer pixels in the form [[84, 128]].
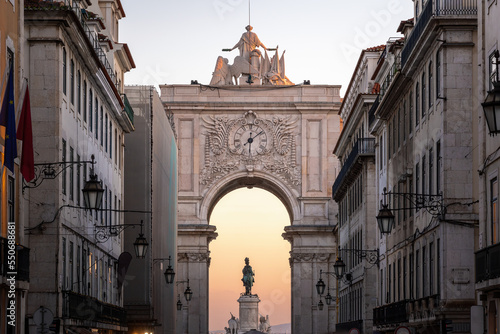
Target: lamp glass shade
[[140, 246], [491, 108], [320, 287], [92, 193], [385, 220], [188, 293], [169, 275], [339, 267], [328, 298], [320, 305]]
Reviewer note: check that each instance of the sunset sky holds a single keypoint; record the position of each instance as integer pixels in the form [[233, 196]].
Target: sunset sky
[[174, 42]]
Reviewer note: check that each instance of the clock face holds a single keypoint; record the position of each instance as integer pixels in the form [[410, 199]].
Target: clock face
[[250, 139]]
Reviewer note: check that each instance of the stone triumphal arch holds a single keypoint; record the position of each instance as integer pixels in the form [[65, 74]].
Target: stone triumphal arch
[[260, 131]]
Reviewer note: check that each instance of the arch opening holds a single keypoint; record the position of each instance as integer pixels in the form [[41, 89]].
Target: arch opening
[[249, 224]]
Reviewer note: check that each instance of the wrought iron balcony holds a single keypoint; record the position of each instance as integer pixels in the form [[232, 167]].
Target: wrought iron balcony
[[21, 264], [395, 68], [85, 308], [364, 147], [391, 314], [436, 8], [128, 108], [371, 113], [488, 263]]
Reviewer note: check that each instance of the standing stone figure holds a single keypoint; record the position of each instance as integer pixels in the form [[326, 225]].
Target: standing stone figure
[[248, 279], [248, 42]]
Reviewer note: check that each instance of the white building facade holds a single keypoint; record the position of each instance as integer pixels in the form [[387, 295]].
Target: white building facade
[[75, 66]]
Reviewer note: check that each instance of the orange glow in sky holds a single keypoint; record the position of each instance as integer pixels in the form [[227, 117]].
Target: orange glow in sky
[[249, 223]]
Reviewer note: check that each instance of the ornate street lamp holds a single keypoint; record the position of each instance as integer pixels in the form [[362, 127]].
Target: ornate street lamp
[[328, 298], [188, 294], [491, 105], [320, 286], [93, 191], [320, 305], [179, 304], [385, 220], [169, 273], [339, 267], [141, 245]]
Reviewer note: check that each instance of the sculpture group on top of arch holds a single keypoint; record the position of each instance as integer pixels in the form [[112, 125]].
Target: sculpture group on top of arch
[[250, 67], [250, 143]]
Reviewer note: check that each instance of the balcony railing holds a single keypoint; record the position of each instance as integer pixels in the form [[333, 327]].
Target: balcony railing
[[371, 113], [128, 108], [436, 8], [22, 261], [488, 263], [363, 147], [81, 307], [391, 314], [395, 68]]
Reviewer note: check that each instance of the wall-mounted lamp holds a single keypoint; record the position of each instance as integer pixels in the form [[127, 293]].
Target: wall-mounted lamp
[[169, 272], [491, 105]]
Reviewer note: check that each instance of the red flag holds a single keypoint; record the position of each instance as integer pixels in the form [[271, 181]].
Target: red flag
[[25, 133]]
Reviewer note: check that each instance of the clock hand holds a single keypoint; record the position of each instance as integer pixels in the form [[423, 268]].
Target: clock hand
[[256, 134], [249, 140]]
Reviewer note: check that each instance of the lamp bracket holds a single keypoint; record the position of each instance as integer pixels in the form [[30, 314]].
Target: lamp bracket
[[346, 278], [50, 170], [372, 256], [431, 203], [103, 233]]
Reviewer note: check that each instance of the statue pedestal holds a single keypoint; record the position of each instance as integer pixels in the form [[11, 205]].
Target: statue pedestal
[[249, 313]]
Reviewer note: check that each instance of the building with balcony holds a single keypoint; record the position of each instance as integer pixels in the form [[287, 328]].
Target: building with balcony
[[75, 65], [487, 266], [425, 142], [354, 191], [151, 184]]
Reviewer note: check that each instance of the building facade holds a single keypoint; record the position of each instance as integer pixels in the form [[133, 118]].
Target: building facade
[[75, 65], [488, 244], [11, 208], [423, 131], [151, 185], [355, 193]]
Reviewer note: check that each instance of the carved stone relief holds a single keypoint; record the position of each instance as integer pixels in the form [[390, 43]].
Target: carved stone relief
[[250, 143]]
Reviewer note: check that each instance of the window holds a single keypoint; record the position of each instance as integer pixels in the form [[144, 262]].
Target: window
[[417, 104], [72, 81], [64, 72], [430, 84], [110, 139], [417, 274], [116, 148], [410, 190], [64, 263], [438, 266], [389, 140], [405, 275], [438, 167], [71, 271], [394, 282], [417, 178], [78, 267], [438, 73], [410, 114], [404, 120], [91, 98], [431, 268], [424, 272], [399, 127], [424, 185], [85, 101], [11, 200], [412, 277], [64, 170], [106, 133], [424, 92], [101, 120], [389, 297], [431, 169], [494, 210], [417, 11], [394, 135], [71, 174], [78, 180], [96, 118], [78, 92], [399, 279]]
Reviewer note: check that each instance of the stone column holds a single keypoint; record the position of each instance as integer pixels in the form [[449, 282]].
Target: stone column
[[249, 313]]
